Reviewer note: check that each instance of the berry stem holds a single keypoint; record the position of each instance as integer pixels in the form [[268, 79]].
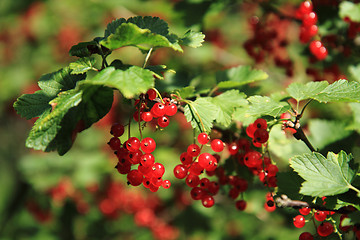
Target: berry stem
[[147, 57], [192, 108]]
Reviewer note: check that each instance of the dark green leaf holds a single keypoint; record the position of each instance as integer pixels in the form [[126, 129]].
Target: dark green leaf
[[203, 108], [324, 176], [159, 70], [32, 105], [47, 127], [129, 82], [112, 26], [238, 76], [192, 39], [154, 24], [289, 184], [61, 80], [82, 65], [82, 49]]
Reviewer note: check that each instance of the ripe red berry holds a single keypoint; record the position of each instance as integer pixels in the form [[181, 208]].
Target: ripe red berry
[[252, 159], [117, 130], [299, 221], [180, 171], [240, 205], [305, 211], [197, 193], [306, 236], [193, 150], [146, 116], [207, 201], [217, 145], [147, 160], [261, 135], [163, 121], [135, 177], [206, 159], [204, 182], [325, 229], [185, 158], [213, 187], [260, 123], [320, 215], [158, 170], [192, 180], [114, 143], [158, 110], [203, 138], [134, 157], [250, 130], [133, 144], [148, 145], [151, 94], [166, 184], [309, 19], [170, 110], [196, 169], [233, 148]]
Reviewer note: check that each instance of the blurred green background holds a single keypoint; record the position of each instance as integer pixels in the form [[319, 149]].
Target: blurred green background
[[81, 195]]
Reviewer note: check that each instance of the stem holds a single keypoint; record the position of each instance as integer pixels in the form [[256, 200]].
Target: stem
[[157, 92], [197, 114], [213, 90], [300, 135], [147, 57], [355, 189]]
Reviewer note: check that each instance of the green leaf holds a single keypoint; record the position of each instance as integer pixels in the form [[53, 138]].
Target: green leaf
[[339, 91], [350, 10], [186, 92], [355, 108], [154, 24], [238, 76], [263, 105], [159, 70], [112, 26], [325, 132], [355, 71], [324, 176], [61, 80], [82, 49], [32, 105], [192, 39], [129, 34], [129, 82], [226, 104], [47, 127], [301, 92], [204, 108], [289, 184], [82, 65]]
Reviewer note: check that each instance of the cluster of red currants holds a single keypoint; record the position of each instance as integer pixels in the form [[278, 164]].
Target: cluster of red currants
[[136, 160], [159, 112], [117, 199], [309, 29], [194, 164]]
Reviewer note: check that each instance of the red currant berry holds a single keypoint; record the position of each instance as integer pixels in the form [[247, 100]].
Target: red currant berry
[[217, 145], [299, 221], [233, 148], [158, 170], [325, 229], [114, 143], [197, 193], [260, 123], [166, 184], [213, 187], [192, 180], [185, 158], [206, 159], [136, 116], [146, 182], [147, 160], [117, 130], [146, 116], [320, 215], [240, 205], [252, 159], [196, 169], [207, 201], [180, 171], [158, 110], [153, 188], [203, 138], [193, 150], [305, 211], [133, 144], [144, 170], [123, 168], [234, 193], [261, 135], [271, 170], [170, 110], [204, 182], [344, 228], [148, 145], [310, 19], [134, 157], [135, 177], [151, 94], [163, 121], [306, 236]]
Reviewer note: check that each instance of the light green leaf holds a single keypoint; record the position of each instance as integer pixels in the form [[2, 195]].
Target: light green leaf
[[325, 132], [355, 72], [238, 76], [129, 82], [47, 127], [324, 176], [339, 91], [226, 104], [61, 80], [129, 34], [301, 92], [82, 65], [203, 108], [350, 10], [263, 105], [186, 92], [32, 105], [355, 108], [193, 39]]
